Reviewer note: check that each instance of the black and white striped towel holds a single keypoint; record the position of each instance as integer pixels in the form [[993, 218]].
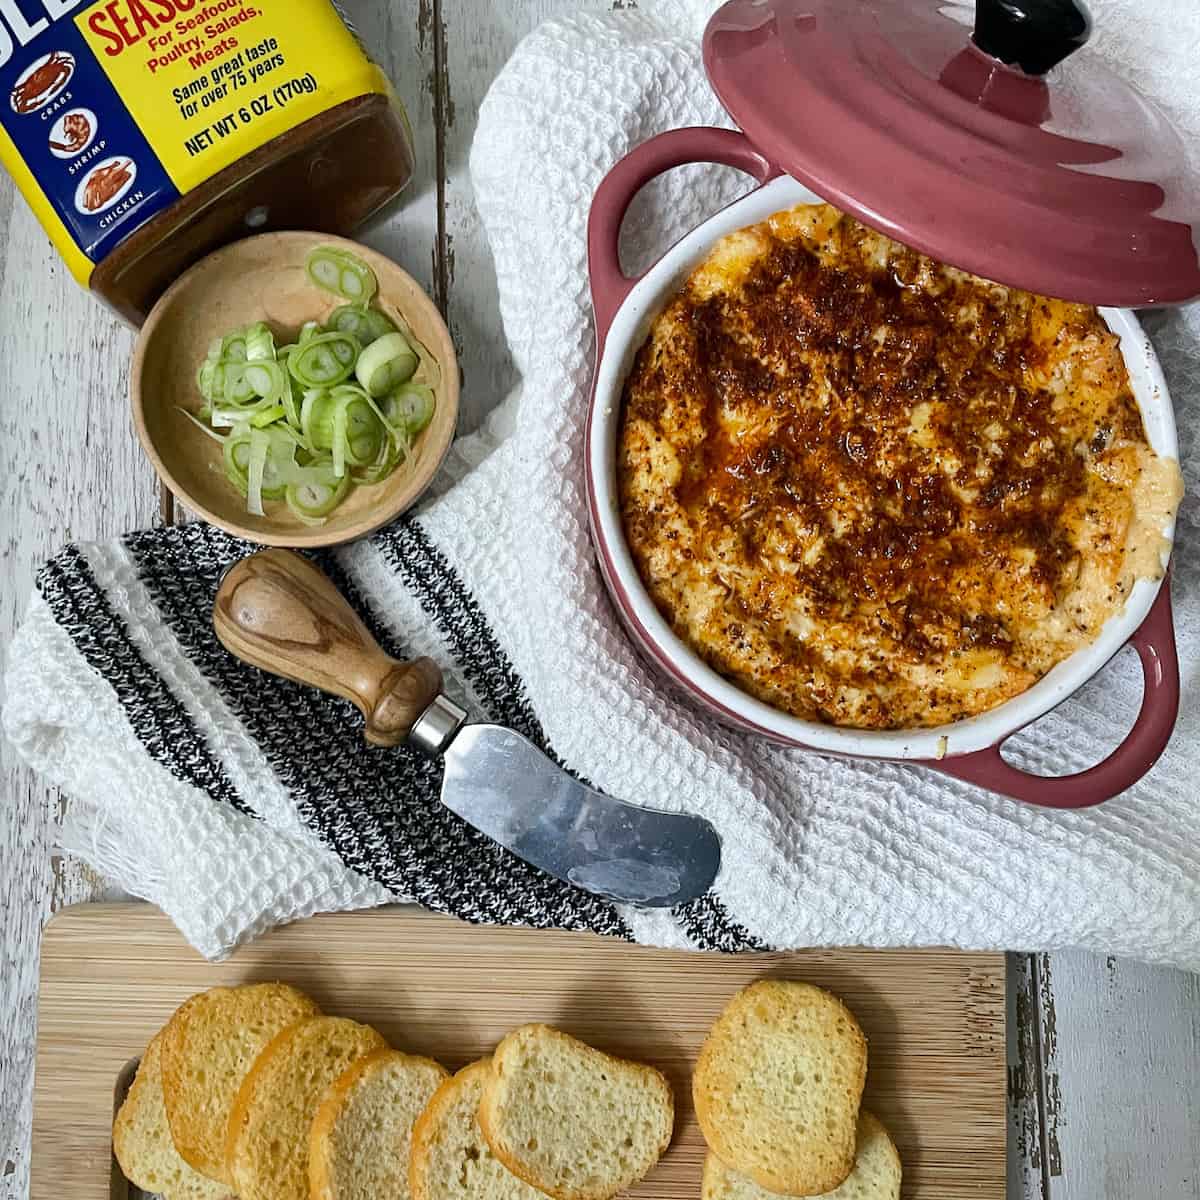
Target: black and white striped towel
[[237, 801]]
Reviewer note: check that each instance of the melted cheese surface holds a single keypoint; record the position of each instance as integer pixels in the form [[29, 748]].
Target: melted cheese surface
[[876, 491]]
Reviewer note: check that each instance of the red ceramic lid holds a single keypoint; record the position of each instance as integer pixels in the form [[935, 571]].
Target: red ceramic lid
[[1060, 179]]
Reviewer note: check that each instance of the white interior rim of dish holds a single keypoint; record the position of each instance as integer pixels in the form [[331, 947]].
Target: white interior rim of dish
[[626, 334]]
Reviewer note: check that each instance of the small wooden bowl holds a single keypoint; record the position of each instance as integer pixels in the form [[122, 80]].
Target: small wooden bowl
[[263, 279]]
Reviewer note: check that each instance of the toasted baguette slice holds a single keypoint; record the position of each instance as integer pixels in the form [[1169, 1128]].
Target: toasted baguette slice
[[267, 1150], [362, 1134], [876, 1174], [142, 1141], [575, 1123], [778, 1084], [450, 1158], [208, 1048]]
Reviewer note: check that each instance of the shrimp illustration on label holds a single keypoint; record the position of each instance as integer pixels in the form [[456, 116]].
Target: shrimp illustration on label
[[42, 80], [73, 133], [105, 184]]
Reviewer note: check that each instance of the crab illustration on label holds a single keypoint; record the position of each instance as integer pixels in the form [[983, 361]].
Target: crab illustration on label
[[42, 82]]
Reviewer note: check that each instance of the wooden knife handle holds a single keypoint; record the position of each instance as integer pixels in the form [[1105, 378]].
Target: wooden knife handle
[[276, 611]]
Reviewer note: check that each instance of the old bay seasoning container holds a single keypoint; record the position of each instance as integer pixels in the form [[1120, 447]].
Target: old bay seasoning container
[[145, 133]]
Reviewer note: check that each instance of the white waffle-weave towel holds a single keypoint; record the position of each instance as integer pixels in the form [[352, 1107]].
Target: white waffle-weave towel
[[237, 803]]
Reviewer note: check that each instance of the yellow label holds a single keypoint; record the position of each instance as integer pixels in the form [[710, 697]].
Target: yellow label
[[110, 110], [208, 81], [78, 263]]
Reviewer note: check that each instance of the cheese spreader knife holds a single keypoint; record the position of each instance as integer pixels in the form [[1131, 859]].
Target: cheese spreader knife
[[277, 611]]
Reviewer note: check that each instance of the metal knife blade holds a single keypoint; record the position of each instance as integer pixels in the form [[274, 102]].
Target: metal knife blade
[[276, 611], [506, 787]]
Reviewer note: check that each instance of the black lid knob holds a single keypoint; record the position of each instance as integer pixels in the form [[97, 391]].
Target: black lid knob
[[1031, 34]]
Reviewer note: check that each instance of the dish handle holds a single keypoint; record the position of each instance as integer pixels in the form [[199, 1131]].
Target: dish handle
[[1154, 642], [675, 148]]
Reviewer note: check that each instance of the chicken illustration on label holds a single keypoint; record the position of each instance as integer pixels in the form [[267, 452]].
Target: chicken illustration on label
[[42, 81], [105, 185]]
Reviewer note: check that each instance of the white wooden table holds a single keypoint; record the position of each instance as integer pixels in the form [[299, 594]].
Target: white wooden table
[[1104, 1091]]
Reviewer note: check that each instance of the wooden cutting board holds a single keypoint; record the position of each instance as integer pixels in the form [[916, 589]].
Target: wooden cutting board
[[113, 974]]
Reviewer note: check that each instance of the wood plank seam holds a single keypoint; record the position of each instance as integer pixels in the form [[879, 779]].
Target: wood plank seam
[[1044, 1042], [1026, 1161], [168, 508], [442, 115]]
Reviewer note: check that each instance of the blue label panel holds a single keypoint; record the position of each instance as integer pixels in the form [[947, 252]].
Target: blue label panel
[[77, 137]]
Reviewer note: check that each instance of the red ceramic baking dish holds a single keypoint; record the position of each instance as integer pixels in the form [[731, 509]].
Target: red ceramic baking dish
[[1106, 229]]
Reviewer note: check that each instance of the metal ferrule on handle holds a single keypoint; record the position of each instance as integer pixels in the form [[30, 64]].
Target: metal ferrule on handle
[[436, 727]]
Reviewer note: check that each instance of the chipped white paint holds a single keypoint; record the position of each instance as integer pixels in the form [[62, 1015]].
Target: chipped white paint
[[1104, 1085], [1121, 1051], [69, 468]]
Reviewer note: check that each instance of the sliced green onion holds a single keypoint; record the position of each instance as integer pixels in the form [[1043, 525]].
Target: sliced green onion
[[317, 472], [268, 416], [260, 447], [293, 398], [357, 432], [339, 406], [207, 430], [233, 347], [238, 387], [312, 502], [314, 521], [316, 418], [392, 451], [206, 378], [410, 408], [377, 473], [351, 319], [429, 365], [237, 459], [224, 380], [290, 441], [268, 379], [339, 440], [379, 324], [366, 324], [324, 360], [291, 409], [365, 430], [260, 343], [341, 273], [229, 418], [385, 364]]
